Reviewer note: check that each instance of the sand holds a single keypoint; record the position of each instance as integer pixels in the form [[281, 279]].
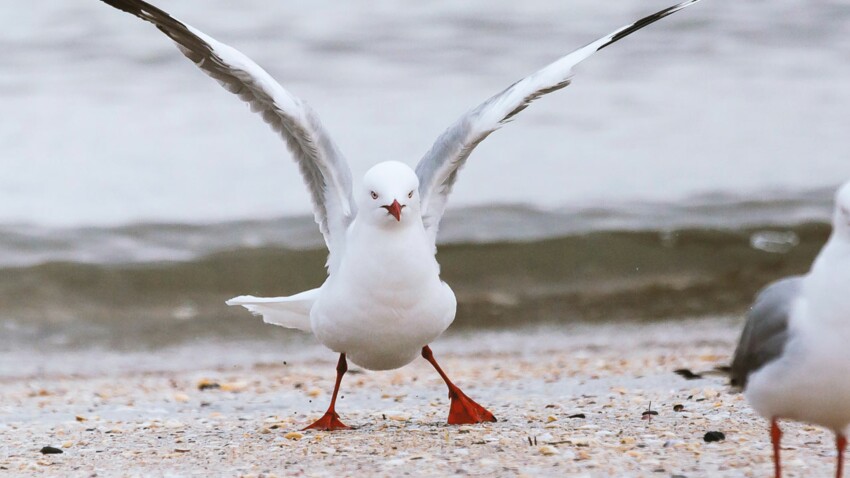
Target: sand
[[570, 402]]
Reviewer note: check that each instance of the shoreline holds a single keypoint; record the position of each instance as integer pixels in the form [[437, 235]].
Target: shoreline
[[152, 419]]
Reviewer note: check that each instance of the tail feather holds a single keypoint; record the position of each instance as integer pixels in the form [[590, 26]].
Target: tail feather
[[292, 312]]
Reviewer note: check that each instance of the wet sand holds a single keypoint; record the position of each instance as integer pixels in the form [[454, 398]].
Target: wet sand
[[569, 402]]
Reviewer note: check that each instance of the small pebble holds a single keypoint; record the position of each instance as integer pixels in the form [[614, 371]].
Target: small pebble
[[687, 374], [548, 450], [50, 450], [181, 397], [713, 436], [206, 384], [233, 387]]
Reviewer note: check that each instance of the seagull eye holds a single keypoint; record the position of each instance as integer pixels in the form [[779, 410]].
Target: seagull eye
[[410, 194], [374, 195]]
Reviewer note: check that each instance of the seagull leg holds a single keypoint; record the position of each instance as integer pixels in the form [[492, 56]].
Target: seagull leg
[[330, 420], [840, 445], [463, 409], [775, 437]]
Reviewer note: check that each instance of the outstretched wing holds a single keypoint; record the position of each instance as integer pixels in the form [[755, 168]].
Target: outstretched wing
[[324, 168], [438, 169], [766, 331]]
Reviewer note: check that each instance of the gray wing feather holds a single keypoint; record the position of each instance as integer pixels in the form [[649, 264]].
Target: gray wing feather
[[437, 171], [323, 167], [766, 330]]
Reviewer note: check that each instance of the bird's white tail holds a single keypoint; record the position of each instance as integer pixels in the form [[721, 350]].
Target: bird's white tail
[[292, 312]]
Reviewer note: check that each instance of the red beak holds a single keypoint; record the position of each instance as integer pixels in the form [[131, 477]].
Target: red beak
[[394, 209]]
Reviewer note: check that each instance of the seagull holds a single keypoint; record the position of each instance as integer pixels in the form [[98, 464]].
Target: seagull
[[790, 360], [383, 300]]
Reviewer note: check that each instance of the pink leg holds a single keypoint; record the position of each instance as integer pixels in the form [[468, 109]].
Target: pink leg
[[463, 409], [775, 437], [840, 445], [330, 420]]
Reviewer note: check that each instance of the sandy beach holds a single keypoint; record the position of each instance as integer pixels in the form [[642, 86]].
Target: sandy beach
[[570, 401]]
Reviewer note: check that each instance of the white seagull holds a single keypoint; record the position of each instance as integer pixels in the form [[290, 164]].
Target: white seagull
[[791, 359], [383, 301]]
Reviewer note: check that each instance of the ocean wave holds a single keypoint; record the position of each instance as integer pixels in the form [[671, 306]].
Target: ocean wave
[[507, 277], [28, 245]]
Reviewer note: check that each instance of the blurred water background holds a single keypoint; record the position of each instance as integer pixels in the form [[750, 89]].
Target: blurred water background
[[686, 166]]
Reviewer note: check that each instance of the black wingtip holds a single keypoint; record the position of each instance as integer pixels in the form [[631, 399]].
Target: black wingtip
[[175, 29], [645, 21], [134, 8], [141, 9]]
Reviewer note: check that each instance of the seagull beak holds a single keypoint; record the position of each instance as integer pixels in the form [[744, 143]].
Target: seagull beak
[[394, 209]]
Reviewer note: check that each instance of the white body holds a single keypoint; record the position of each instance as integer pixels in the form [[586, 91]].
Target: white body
[[810, 381], [383, 299], [386, 301]]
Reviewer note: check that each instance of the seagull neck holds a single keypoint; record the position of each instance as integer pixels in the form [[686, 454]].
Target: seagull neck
[[834, 258], [392, 256], [828, 281], [410, 226], [407, 236]]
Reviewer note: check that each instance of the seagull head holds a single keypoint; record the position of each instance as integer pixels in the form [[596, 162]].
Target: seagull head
[[390, 194], [841, 216]]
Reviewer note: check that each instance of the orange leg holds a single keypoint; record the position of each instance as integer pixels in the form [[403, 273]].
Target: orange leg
[[330, 420], [840, 445], [463, 409], [775, 437]]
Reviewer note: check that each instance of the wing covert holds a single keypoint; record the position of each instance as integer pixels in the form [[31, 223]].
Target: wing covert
[[766, 330]]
